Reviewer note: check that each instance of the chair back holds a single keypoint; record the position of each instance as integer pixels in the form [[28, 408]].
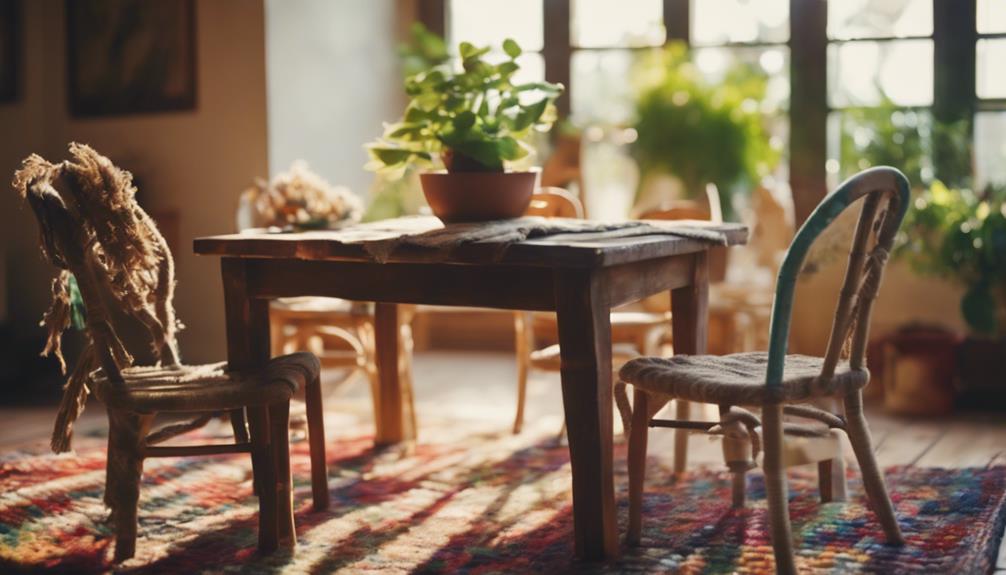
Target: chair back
[[689, 209], [122, 266], [885, 192], [551, 202]]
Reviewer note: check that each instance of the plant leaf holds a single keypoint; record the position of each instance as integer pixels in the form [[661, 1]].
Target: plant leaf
[[511, 48], [464, 121]]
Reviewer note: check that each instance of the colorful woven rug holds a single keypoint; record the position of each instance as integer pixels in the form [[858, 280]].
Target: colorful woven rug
[[479, 503]]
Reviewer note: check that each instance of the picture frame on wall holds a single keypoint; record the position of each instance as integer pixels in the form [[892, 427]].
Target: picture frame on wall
[[130, 56], [10, 50]]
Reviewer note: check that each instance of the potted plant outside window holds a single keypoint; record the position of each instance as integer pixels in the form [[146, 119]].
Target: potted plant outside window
[[471, 120]]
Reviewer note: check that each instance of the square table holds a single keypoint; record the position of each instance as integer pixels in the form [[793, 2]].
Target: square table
[[578, 276]]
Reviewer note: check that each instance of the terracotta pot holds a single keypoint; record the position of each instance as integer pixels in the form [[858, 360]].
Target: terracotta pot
[[917, 370], [478, 196]]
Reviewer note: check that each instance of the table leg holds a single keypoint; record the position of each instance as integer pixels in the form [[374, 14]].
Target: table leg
[[689, 318], [394, 412], [248, 348], [585, 348]]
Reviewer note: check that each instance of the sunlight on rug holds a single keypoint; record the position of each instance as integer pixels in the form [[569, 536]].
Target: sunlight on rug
[[476, 503]]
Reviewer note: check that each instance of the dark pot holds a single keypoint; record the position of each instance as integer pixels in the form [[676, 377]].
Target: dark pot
[[478, 196], [982, 370]]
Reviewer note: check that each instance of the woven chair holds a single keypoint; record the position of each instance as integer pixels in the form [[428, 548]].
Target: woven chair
[[633, 333], [110, 250], [783, 384]]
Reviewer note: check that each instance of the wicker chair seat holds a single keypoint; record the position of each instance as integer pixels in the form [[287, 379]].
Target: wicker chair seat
[[208, 387], [739, 379]]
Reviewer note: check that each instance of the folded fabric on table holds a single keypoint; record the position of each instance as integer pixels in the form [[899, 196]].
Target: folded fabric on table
[[503, 233]]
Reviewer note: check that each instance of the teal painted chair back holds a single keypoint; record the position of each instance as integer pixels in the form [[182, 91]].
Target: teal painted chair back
[[885, 193]]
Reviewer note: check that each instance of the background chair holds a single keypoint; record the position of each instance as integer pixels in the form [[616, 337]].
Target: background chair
[[341, 334], [632, 332], [110, 250], [782, 384]]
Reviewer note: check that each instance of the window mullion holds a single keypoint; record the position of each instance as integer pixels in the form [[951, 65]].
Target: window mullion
[[808, 111]]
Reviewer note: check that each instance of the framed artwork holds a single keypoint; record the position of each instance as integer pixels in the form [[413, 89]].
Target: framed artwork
[[130, 56], [10, 49]]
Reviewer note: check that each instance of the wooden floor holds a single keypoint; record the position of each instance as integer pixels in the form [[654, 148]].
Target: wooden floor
[[483, 386]]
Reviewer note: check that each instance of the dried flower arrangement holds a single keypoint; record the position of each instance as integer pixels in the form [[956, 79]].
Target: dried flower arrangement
[[299, 199]]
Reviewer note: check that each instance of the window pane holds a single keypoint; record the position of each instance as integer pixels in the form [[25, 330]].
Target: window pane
[[990, 148], [879, 18], [725, 21], [489, 22], [865, 137], [863, 73], [772, 64], [601, 91], [990, 82], [991, 16], [616, 23]]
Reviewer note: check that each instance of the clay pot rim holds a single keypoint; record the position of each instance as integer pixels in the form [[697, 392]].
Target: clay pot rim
[[534, 170]]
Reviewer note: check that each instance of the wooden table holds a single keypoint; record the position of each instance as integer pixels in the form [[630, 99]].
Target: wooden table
[[580, 278]]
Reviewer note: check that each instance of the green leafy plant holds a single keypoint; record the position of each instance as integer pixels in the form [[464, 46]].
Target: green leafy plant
[[922, 147], [471, 119], [423, 51], [961, 235], [698, 131]]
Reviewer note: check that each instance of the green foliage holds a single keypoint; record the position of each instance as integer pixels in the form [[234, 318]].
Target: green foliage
[[922, 148], [475, 114], [698, 131], [961, 235], [423, 51], [78, 314]]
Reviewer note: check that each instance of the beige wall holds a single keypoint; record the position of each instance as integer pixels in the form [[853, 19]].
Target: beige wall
[[904, 298], [195, 162]]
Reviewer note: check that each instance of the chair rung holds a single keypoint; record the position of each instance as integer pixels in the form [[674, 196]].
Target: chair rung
[[185, 450], [678, 424]]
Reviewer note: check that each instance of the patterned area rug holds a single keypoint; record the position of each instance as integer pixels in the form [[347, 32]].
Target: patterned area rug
[[477, 503]]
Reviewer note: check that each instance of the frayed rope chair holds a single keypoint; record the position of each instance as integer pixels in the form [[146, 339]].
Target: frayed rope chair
[[109, 249], [778, 383]]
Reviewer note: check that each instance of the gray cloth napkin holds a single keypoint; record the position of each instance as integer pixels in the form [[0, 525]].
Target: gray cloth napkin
[[503, 233]]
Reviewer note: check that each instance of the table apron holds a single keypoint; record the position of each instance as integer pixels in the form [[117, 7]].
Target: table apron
[[492, 285]]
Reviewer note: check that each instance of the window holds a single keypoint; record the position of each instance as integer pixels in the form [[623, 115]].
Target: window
[[878, 54], [990, 89], [880, 85], [755, 36], [489, 22], [605, 36]]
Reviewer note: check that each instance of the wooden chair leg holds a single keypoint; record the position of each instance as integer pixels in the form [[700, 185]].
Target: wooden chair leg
[[873, 478], [122, 483], [279, 424], [825, 486], [522, 369], [405, 374], [682, 413], [239, 425], [264, 469], [775, 487], [638, 436], [316, 441], [365, 332], [835, 472], [736, 455]]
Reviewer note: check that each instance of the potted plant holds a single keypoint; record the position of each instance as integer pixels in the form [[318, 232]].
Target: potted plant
[[471, 120], [961, 235]]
